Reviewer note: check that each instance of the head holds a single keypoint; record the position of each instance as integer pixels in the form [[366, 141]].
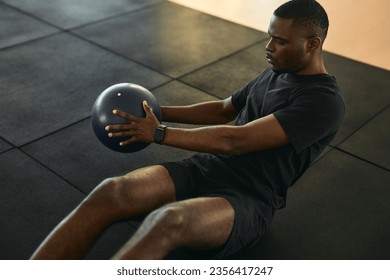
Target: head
[[297, 32]]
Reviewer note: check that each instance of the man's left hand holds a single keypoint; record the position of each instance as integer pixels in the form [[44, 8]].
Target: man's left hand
[[137, 129]]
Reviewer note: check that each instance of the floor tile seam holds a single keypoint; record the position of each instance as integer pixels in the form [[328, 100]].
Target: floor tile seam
[[7, 150], [199, 88], [180, 78], [113, 17], [222, 58], [6, 141], [94, 44], [52, 132], [12, 146], [338, 148], [17, 9], [321, 157], [31, 40], [61, 29], [161, 85], [119, 54], [361, 158], [362, 125], [53, 172], [157, 70], [71, 31], [83, 25]]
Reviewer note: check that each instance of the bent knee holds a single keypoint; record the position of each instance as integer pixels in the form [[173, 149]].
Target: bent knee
[[170, 221], [107, 189], [171, 214], [108, 195]]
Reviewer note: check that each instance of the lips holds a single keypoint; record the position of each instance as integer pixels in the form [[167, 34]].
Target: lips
[[269, 57]]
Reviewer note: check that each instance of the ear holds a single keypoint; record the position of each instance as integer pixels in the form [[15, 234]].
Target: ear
[[314, 44]]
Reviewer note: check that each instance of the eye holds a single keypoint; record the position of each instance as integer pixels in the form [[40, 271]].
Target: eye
[[277, 40], [280, 41]]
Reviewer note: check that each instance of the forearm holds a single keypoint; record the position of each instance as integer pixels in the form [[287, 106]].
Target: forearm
[[263, 133], [213, 112], [258, 135], [212, 139]]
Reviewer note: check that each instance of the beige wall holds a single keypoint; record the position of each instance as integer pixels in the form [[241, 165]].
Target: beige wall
[[359, 29]]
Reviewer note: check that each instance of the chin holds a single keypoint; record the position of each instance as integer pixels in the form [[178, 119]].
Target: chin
[[278, 70], [284, 70]]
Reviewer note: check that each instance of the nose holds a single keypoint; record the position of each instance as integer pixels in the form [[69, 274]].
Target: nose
[[270, 45]]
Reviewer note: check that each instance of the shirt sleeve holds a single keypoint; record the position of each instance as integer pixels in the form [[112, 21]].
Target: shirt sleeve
[[240, 96], [311, 117]]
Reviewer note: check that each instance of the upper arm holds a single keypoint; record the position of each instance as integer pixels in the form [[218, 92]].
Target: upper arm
[[228, 110], [260, 134], [311, 118], [210, 112]]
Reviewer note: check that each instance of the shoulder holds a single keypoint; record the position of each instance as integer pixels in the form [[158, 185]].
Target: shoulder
[[315, 111], [239, 97], [317, 89]]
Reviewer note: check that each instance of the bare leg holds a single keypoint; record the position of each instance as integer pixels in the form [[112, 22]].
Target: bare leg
[[201, 223], [136, 193]]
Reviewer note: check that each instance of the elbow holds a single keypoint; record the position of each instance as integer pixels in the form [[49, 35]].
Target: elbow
[[238, 146], [231, 142], [232, 147]]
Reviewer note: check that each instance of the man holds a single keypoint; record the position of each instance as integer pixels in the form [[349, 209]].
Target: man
[[224, 197]]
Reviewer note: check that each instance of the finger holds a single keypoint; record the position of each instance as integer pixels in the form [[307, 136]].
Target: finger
[[120, 134], [123, 114], [126, 142], [119, 127], [129, 141], [148, 110]]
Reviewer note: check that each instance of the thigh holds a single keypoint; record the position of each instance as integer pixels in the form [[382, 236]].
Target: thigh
[[253, 211], [227, 222], [253, 216]]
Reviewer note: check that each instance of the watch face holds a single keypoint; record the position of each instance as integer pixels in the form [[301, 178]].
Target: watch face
[[159, 134]]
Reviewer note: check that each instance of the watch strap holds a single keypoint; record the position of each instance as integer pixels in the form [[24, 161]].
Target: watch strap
[[159, 133]]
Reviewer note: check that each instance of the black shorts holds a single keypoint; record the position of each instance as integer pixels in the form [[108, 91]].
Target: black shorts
[[195, 177]]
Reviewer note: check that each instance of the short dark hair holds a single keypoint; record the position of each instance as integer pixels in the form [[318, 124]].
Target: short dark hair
[[307, 14]]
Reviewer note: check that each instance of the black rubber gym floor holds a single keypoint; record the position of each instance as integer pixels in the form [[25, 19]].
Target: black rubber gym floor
[[57, 56]]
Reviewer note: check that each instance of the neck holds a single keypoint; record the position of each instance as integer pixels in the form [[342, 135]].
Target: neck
[[313, 69], [314, 65]]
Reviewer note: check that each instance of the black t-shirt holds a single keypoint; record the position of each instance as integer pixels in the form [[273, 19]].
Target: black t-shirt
[[310, 110]]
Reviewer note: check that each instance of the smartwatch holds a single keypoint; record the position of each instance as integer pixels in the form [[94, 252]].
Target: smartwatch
[[159, 133]]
